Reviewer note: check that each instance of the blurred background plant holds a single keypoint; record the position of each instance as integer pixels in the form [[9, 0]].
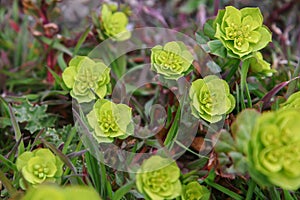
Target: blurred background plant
[[39, 37]]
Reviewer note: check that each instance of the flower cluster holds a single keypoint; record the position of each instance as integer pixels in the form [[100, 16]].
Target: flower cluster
[[211, 98], [114, 23], [194, 190], [110, 120], [158, 178], [171, 60], [39, 166], [51, 192], [242, 31], [273, 152], [86, 78]]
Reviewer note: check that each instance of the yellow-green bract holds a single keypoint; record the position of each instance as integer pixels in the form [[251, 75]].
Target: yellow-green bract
[[172, 60], [86, 78], [211, 98], [158, 178], [53, 192], [274, 149], [110, 120], [292, 102], [39, 166], [195, 191], [242, 31], [114, 24], [259, 65]]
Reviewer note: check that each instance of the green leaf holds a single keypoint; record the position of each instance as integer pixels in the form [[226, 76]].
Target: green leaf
[[123, 190], [242, 128], [209, 29], [35, 116], [81, 40], [216, 47], [225, 142], [56, 45]]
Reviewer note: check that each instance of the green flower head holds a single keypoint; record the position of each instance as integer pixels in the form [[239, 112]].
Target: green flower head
[[242, 31], [274, 149], [195, 191], [114, 23], [110, 120], [86, 78], [211, 98], [172, 60], [292, 102], [53, 192], [259, 65], [39, 166], [158, 178]]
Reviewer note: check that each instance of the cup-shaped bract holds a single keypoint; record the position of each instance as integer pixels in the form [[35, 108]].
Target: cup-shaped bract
[[114, 23], [211, 98], [194, 191], [274, 149], [242, 31], [292, 102], [259, 65], [86, 79], [172, 60], [39, 166], [158, 178], [110, 120], [53, 192]]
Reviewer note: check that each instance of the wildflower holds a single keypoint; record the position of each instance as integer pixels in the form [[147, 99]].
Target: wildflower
[[158, 178], [242, 31], [110, 120], [86, 78], [114, 23], [211, 98], [39, 166], [172, 60], [195, 191]]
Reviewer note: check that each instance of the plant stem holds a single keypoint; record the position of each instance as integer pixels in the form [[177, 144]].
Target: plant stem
[[244, 86]]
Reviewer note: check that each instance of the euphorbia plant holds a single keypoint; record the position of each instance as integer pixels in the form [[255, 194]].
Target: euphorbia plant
[[87, 79], [109, 120], [237, 36], [39, 166], [194, 191], [172, 60], [114, 22], [211, 98], [53, 192], [241, 31], [158, 178], [270, 141]]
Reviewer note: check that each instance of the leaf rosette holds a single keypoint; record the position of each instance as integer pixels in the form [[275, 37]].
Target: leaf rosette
[[110, 120], [195, 191], [158, 178], [211, 98], [172, 60], [86, 78], [114, 23], [39, 166], [274, 149], [241, 31], [53, 192]]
